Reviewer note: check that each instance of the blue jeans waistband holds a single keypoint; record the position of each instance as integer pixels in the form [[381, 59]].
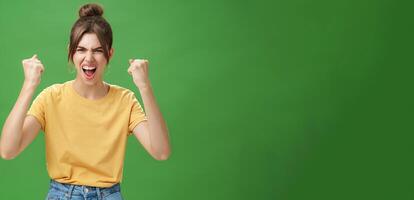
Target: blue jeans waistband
[[71, 189]]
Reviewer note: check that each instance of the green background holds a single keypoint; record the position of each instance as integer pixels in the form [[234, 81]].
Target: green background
[[263, 99]]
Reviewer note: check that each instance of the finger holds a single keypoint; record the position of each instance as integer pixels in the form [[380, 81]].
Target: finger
[[36, 60], [38, 65], [131, 60]]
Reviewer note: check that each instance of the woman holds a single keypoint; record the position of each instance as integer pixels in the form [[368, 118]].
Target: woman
[[86, 121]]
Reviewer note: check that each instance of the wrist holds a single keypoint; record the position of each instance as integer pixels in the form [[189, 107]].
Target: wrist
[[144, 88], [143, 85], [27, 85]]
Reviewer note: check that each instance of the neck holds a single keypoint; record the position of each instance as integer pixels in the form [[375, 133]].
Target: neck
[[94, 91]]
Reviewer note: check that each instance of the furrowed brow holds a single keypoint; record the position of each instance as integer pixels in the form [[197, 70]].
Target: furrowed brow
[[81, 47]]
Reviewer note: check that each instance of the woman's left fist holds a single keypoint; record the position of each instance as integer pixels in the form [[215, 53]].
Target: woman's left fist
[[138, 69]]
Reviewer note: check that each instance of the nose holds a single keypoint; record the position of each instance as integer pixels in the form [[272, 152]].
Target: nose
[[89, 56]]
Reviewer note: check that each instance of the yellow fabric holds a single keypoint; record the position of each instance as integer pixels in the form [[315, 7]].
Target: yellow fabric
[[86, 139]]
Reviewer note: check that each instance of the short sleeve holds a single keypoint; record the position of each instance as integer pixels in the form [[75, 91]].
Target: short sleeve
[[37, 109], [137, 114]]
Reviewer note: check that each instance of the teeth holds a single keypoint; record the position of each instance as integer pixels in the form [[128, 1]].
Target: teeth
[[88, 68]]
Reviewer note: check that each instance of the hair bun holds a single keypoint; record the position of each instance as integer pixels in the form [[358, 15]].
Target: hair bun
[[90, 10]]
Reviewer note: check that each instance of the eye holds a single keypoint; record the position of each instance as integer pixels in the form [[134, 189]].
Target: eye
[[80, 50], [99, 50]]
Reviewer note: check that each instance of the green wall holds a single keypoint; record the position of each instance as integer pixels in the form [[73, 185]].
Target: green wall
[[263, 99]]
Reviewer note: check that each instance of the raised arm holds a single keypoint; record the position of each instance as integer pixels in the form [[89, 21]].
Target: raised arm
[[19, 130], [153, 134]]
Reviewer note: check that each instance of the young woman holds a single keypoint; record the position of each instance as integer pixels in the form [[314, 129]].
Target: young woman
[[86, 121]]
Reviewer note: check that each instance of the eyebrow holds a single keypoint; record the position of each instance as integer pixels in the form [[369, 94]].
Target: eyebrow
[[81, 47]]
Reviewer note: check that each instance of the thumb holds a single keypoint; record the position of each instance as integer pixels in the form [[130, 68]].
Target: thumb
[[34, 56], [131, 60]]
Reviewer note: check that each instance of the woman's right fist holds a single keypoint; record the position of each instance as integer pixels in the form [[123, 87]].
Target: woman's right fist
[[33, 70]]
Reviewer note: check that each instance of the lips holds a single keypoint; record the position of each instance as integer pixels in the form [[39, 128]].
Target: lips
[[89, 71]]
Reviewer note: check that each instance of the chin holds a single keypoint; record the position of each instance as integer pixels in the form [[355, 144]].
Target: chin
[[89, 82]]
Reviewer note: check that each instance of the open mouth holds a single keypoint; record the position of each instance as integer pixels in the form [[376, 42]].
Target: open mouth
[[89, 71]]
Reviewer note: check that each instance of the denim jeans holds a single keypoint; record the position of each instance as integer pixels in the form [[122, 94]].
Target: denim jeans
[[64, 191]]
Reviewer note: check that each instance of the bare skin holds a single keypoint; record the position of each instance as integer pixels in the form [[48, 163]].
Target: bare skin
[[20, 130]]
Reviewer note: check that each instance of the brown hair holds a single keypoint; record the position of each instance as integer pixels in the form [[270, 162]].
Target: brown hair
[[91, 21]]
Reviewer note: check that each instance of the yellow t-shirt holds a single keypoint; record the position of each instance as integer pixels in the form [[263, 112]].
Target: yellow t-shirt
[[86, 139]]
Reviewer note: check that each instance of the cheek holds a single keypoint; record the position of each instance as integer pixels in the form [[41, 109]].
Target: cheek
[[100, 58], [76, 59], [102, 63]]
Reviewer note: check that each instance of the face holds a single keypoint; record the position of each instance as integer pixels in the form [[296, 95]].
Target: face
[[89, 59]]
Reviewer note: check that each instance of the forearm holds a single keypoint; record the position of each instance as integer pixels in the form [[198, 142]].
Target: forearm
[[159, 138], [12, 128]]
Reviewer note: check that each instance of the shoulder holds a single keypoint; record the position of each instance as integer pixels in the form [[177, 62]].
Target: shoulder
[[53, 90], [122, 93], [56, 89]]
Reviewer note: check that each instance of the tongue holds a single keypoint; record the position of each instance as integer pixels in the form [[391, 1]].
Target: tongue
[[89, 72]]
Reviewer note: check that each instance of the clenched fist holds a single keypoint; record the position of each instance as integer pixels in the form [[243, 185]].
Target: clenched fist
[[138, 69], [33, 70]]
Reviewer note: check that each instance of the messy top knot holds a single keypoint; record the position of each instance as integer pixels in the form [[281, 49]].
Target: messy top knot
[[90, 21], [90, 10]]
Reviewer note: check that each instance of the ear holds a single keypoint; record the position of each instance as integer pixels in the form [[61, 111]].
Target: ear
[[111, 53]]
